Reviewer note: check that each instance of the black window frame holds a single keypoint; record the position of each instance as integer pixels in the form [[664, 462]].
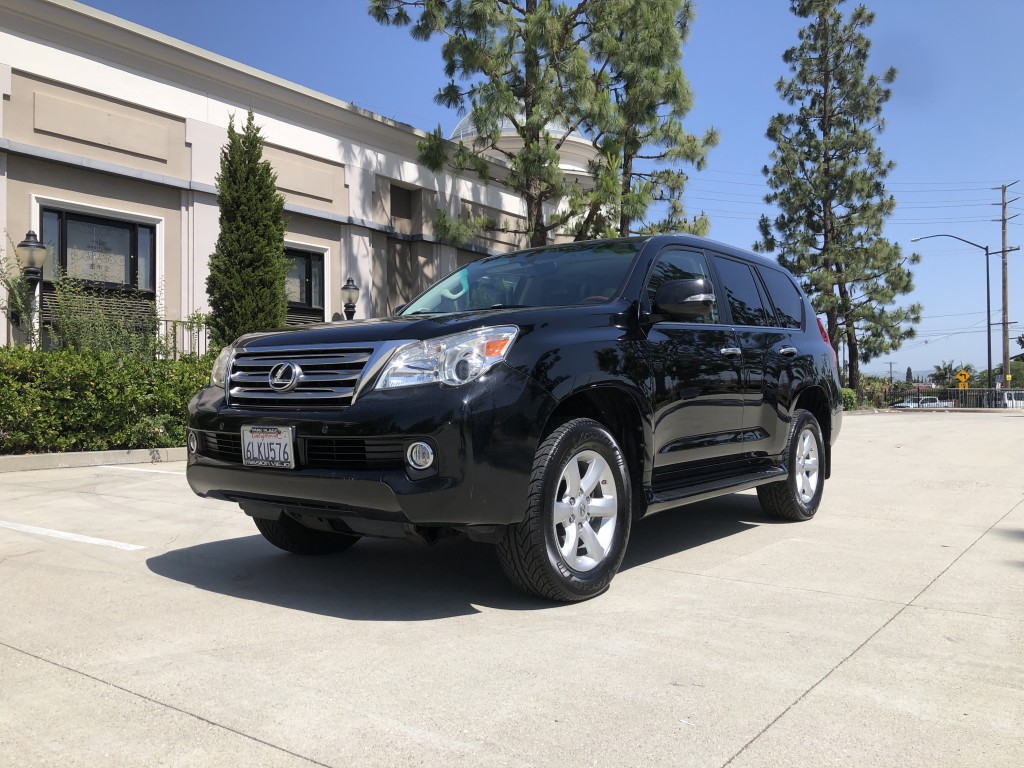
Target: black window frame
[[60, 255], [303, 312], [714, 317], [779, 314]]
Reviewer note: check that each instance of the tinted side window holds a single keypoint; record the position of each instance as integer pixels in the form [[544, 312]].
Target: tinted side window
[[680, 265], [740, 289], [788, 301]]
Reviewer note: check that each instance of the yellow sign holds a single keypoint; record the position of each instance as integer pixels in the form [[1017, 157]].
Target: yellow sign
[[962, 385], [962, 376]]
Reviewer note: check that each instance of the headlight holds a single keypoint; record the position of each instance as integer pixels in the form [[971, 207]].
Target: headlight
[[456, 359], [221, 366]]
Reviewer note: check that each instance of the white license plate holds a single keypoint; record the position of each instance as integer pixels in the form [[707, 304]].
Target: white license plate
[[268, 447]]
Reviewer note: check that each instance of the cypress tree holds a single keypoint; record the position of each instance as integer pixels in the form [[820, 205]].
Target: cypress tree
[[827, 180], [246, 284]]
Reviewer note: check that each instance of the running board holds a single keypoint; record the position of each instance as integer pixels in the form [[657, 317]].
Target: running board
[[676, 497]]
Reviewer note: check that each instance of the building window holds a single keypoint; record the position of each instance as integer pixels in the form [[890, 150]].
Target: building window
[[106, 253], [305, 287], [401, 202]]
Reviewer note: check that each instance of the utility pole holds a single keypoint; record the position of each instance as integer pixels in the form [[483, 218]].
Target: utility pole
[[1006, 310], [891, 364]]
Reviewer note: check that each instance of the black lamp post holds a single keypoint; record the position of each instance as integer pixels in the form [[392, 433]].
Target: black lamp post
[[988, 296], [31, 257], [349, 297]]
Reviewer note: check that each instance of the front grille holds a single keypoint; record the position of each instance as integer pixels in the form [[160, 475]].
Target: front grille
[[331, 453], [328, 377]]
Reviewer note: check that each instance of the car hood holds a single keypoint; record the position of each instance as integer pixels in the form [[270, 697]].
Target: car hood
[[416, 327]]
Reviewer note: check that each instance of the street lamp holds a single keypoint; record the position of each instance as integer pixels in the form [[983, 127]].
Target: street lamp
[[31, 257], [349, 297], [988, 295]]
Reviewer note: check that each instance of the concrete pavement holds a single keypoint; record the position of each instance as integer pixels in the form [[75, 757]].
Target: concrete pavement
[[888, 631]]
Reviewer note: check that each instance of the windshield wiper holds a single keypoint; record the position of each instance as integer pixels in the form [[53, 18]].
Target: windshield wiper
[[509, 306]]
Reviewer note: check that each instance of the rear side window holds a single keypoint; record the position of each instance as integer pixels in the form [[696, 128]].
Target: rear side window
[[788, 301], [742, 293]]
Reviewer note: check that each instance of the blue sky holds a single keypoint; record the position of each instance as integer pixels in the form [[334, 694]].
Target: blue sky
[[954, 125]]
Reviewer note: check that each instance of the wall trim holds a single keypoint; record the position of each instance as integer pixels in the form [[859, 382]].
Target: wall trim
[[113, 169]]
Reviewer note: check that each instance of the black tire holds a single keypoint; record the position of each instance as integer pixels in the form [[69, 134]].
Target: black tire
[[292, 536], [798, 496], [571, 555]]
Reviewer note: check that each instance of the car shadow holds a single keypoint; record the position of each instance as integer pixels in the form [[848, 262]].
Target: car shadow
[[677, 530], [386, 580]]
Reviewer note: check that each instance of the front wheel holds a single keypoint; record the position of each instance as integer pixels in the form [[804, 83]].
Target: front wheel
[[578, 516], [798, 496], [292, 536]]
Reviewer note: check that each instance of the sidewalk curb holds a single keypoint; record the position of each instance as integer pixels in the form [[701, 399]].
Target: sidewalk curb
[[33, 461]]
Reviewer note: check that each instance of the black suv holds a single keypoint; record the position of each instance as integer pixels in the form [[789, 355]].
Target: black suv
[[540, 400]]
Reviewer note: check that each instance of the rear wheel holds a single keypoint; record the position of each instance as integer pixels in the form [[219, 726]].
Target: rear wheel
[[798, 496], [292, 536], [578, 517]]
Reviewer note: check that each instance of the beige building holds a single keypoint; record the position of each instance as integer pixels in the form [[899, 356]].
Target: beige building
[[110, 139]]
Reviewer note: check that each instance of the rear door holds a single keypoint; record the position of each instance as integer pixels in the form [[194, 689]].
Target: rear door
[[771, 359]]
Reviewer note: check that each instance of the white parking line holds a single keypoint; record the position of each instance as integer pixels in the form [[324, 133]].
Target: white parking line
[[139, 469], [68, 536]]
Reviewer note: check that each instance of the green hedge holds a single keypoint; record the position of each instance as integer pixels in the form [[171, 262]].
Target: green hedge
[[849, 399], [73, 401]]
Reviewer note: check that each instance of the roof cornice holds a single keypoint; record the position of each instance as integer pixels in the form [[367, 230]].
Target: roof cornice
[[88, 29]]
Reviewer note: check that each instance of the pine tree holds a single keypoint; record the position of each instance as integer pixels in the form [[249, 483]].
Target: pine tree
[[910, 375], [636, 49], [547, 69], [248, 266], [827, 180]]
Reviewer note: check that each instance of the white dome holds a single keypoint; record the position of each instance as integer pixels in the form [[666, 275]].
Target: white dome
[[576, 151], [465, 129]]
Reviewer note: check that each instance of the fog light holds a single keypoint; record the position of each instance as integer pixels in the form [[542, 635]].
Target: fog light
[[420, 456], [193, 442]]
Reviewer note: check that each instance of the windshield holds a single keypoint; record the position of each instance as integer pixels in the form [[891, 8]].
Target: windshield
[[586, 273]]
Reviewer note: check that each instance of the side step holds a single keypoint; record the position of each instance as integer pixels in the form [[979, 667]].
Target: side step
[[676, 497]]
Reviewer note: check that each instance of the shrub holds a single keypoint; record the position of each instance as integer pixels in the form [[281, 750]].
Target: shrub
[[85, 318], [72, 401], [849, 399]]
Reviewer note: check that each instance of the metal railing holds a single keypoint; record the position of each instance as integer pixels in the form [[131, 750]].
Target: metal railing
[[184, 337], [941, 398]]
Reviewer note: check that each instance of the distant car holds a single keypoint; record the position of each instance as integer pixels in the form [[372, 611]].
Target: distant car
[[927, 401], [1010, 398], [911, 402]]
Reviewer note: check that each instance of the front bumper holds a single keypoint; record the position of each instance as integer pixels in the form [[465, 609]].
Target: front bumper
[[484, 435]]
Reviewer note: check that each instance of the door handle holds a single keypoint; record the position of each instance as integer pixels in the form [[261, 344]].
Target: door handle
[[730, 351], [788, 351]]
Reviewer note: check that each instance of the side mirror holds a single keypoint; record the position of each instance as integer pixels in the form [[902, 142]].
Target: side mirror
[[684, 299]]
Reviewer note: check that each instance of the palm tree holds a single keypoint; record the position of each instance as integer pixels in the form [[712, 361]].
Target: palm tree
[[943, 375]]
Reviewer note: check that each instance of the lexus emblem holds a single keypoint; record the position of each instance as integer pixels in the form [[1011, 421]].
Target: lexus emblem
[[284, 377]]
